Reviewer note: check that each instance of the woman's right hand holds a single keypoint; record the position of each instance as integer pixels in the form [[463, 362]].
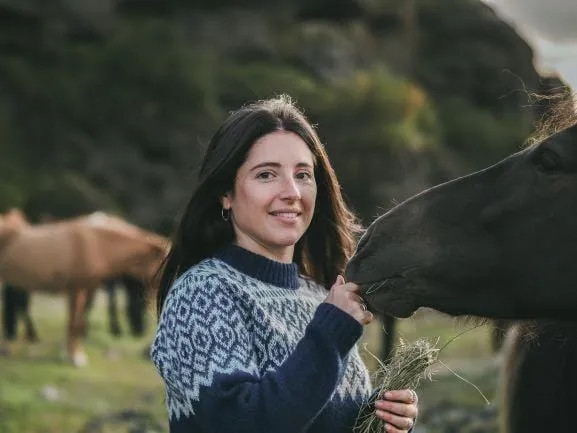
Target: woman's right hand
[[346, 297]]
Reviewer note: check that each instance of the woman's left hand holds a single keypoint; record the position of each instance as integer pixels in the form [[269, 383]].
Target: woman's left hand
[[399, 410]]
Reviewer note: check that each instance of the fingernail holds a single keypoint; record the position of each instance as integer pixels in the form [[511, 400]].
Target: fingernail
[[388, 395]]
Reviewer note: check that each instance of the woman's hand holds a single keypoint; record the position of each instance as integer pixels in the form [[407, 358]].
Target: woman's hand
[[345, 296], [399, 410]]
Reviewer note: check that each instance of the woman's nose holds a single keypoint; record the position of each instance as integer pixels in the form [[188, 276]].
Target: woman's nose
[[290, 190]]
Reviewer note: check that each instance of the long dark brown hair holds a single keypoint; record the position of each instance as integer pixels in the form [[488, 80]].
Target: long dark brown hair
[[324, 249]]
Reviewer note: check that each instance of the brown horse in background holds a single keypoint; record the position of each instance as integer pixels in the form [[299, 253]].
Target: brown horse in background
[[73, 257]]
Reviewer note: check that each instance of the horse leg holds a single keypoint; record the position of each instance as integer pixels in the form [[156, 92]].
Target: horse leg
[[76, 313], [9, 319], [87, 309], [24, 312], [135, 305], [113, 321], [9, 311]]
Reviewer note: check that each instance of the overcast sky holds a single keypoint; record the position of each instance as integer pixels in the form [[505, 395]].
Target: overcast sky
[[550, 26]]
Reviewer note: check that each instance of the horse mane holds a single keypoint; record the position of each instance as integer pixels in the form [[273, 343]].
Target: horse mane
[[102, 219], [559, 113]]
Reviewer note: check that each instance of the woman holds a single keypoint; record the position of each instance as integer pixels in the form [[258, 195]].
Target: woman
[[249, 339]]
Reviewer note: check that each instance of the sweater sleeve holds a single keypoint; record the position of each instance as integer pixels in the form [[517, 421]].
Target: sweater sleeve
[[203, 351]]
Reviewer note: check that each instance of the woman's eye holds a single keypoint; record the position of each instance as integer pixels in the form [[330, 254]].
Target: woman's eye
[[305, 175], [264, 175], [548, 161]]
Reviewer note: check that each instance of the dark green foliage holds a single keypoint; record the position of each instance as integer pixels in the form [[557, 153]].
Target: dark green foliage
[[375, 126], [480, 137], [377, 129], [65, 195], [112, 105]]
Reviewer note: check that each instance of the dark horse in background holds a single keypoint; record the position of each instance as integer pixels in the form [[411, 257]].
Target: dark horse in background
[[16, 306], [500, 243]]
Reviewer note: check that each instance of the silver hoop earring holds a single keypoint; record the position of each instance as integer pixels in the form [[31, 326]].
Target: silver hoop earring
[[225, 213]]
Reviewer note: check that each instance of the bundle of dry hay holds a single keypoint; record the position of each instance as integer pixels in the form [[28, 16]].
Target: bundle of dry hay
[[407, 366]]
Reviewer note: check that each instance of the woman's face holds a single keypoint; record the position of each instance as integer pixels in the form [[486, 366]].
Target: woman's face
[[274, 196]]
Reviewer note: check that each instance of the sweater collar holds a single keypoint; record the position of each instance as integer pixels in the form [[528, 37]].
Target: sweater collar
[[260, 267]]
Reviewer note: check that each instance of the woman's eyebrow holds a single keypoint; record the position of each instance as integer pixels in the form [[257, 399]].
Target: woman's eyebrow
[[266, 164], [277, 164], [305, 164]]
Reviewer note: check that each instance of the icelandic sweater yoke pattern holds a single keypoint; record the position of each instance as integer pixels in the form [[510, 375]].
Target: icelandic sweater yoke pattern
[[241, 334]]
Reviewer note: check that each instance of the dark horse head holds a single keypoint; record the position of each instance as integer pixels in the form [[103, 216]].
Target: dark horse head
[[499, 243]]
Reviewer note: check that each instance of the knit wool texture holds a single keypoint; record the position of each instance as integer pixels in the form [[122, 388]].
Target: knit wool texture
[[245, 344]]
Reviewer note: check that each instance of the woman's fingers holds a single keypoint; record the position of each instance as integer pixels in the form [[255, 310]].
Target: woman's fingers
[[401, 423], [345, 296], [402, 395], [397, 408]]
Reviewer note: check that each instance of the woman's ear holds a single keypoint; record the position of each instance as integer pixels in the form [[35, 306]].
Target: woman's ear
[[226, 201]]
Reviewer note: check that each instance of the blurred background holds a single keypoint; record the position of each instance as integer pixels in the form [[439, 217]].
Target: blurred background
[[108, 105]]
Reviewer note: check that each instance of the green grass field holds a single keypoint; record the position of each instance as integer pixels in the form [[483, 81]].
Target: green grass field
[[40, 393]]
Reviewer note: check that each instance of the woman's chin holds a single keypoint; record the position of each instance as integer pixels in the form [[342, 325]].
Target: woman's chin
[[287, 242], [288, 239]]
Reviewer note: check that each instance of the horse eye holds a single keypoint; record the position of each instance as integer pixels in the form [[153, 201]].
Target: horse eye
[[548, 161]]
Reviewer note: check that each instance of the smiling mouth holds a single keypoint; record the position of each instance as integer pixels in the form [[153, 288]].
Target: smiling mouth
[[286, 215]]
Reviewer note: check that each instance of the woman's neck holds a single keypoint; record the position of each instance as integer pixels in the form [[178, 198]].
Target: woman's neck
[[281, 254], [260, 267]]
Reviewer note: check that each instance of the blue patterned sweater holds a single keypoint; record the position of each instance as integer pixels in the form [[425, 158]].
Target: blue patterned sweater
[[245, 344]]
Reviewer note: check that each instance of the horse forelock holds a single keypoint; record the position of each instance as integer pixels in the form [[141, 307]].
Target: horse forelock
[[559, 118]]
